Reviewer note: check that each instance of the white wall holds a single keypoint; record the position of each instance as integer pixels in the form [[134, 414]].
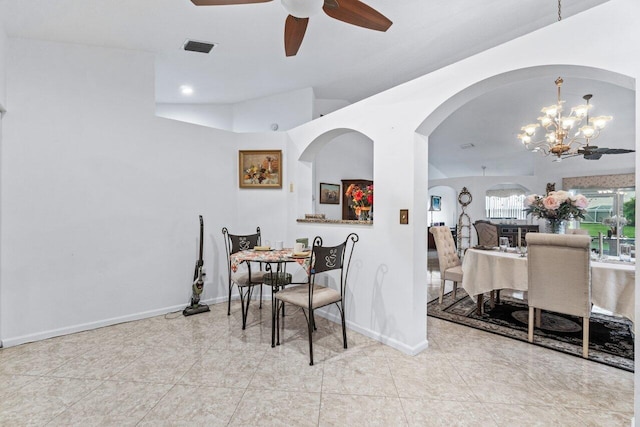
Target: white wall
[[448, 203], [3, 85], [390, 289], [287, 110], [100, 198], [349, 156], [212, 115], [322, 107]]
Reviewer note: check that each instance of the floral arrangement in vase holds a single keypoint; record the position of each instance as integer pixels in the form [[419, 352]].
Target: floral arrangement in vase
[[556, 207], [361, 199]]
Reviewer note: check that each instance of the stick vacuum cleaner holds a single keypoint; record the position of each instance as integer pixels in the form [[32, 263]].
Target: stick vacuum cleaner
[[198, 282]]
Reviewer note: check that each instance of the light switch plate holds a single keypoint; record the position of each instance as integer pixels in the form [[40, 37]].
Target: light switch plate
[[404, 216]]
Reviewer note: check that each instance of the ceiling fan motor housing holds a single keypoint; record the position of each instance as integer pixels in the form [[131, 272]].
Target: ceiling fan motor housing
[[303, 8]]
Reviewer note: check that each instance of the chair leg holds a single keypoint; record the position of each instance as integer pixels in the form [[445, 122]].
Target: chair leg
[[441, 291], [245, 307], [229, 299], [344, 329], [310, 325], [274, 314], [260, 307], [278, 322], [530, 332], [455, 289], [585, 337]]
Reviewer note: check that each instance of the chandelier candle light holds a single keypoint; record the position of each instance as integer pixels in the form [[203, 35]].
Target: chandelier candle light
[[558, 139]]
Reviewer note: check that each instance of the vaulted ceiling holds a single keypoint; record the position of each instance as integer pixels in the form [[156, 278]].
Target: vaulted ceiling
[[337, 60]]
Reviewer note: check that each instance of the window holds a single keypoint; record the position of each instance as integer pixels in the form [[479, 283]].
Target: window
[[505, 201]]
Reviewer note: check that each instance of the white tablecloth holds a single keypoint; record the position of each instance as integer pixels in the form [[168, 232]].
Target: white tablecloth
[[612, 285]]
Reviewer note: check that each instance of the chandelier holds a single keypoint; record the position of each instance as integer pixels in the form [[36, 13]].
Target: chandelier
[[560, 138]]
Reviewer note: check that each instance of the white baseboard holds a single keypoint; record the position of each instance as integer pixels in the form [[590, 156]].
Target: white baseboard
[[10, 342], [391, 342]]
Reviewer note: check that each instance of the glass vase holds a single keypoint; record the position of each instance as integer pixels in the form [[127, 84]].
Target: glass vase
[[555, 226], [364, 213]]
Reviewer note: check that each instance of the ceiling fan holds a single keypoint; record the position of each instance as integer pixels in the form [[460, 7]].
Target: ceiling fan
[[350, 11], [591, 152]]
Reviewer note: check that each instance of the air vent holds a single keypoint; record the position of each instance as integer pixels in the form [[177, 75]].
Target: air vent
[[467, 146], [196, 46]]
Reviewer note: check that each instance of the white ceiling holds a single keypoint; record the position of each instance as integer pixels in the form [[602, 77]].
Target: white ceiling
[[339, 61], [250, 61]]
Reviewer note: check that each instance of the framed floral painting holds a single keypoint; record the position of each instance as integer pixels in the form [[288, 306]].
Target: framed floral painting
[[260, 168]]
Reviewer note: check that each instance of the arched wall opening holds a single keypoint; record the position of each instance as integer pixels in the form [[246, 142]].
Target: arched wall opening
[[336, 155], [478, 184]]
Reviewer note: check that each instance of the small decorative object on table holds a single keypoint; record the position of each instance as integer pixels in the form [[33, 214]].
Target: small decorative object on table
[[616, 225], [361, 200], [556, 207]]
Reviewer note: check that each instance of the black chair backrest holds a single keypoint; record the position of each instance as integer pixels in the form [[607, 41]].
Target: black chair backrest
[[328, 258], [236, 242]]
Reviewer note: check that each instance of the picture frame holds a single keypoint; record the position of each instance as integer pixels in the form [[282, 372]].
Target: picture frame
[[329, 193], [435, 203], [260, 168]]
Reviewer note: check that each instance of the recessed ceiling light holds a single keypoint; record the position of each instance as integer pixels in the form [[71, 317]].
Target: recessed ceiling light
[[186, 90]]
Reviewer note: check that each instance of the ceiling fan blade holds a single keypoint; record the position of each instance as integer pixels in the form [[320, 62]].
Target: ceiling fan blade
[[356, 13], [592, 156], [614, 151], [294, 29], [225, 2]]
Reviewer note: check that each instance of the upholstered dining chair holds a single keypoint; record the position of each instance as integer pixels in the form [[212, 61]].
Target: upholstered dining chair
[[487, 233], [249, 277], [450, 265], [311, 296], [559, 276]]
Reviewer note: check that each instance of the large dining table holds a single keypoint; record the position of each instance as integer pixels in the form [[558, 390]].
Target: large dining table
[[612, 281]]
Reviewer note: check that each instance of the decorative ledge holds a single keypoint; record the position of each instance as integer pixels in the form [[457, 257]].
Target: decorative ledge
[[333, 221]]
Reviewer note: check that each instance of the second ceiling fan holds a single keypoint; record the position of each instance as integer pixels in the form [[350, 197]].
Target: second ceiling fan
[[350, 11]]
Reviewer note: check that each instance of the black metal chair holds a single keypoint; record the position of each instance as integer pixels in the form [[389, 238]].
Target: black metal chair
[[245, 280], [311, 296]]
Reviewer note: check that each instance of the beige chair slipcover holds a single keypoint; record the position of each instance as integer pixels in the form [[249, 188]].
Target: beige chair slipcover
[[450, 265], [559, 278]]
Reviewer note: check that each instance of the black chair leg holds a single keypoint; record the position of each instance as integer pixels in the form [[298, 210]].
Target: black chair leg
[[229, 300], [344, 329], [313, 320], [278, 322], [245, 307], [311, 326], [274, 315], [260, 297]]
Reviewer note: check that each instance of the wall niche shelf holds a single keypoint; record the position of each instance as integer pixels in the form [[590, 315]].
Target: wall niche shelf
[[332, 221]]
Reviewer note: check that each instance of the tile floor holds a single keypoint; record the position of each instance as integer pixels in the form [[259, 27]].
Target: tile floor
[[204, 370]]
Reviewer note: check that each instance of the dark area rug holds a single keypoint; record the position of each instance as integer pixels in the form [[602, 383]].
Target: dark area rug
[[610, 338]]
